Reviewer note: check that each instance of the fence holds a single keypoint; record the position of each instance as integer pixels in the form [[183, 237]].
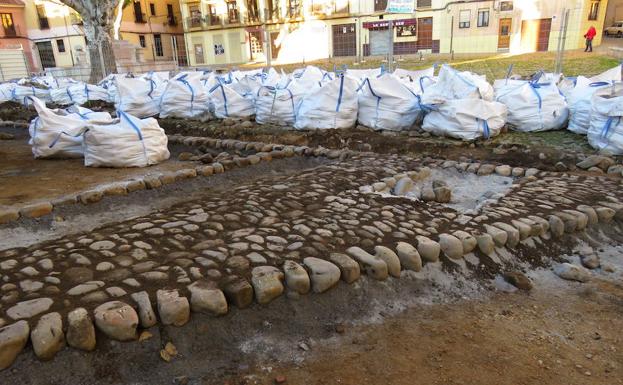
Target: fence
[[13, 64]]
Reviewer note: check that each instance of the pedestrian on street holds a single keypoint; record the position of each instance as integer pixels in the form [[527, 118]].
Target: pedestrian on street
[[590, 35]]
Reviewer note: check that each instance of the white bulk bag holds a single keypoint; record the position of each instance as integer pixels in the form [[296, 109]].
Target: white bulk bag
[[277, 105], [6, 91], [386, 104], [334, 105], [414, 75], [231, 100], [78, 93], [185, 97], [533, 106], [466, 119], [22, 94], [58, 133], [579, 101], [452, 84], [125, 142], [611, 75], [137, 97], [606, 130], [362, 74]]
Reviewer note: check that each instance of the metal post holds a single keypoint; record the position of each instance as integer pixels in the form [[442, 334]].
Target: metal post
[[103, 66], [561, 41], [451, 36], [391, 46], [269, 53], [174, 45]]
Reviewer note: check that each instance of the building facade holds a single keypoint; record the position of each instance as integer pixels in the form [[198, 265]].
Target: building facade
[[14, 32], [149, 31], [238, 31], [156, 27]]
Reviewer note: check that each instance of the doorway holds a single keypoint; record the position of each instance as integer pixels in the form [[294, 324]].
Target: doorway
[[504, 33]]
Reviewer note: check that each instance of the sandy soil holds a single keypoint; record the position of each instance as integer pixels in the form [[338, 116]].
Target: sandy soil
[[49, 179], [433, 327]]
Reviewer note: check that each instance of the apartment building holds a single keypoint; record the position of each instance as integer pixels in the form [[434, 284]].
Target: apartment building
[[13, 34], [155, 26], [236, 31], [150, 31]]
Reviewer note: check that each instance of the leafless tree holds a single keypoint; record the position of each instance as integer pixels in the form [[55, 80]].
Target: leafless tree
[[98, 19]]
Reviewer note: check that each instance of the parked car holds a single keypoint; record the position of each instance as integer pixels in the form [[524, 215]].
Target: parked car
[[615, 30]]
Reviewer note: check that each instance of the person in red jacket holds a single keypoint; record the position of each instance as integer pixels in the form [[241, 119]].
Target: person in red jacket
[[590, 35]]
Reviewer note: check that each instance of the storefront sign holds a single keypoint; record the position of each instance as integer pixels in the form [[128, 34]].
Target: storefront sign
[[400, 6], [385, 23]]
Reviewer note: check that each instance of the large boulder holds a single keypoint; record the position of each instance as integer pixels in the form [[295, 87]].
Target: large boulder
[[48, 337], [117, 320], [13, 339], [323, 274]]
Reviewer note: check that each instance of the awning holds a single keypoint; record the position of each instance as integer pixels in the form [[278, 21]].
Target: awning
[[385, 23]]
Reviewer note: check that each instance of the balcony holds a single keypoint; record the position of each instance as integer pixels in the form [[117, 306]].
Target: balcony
[[232, 19], [171, 20], [272, 15], [295, 12], [44, 23], [327, 10]]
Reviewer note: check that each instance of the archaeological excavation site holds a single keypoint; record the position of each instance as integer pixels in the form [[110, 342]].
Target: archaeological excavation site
[[351, 226]]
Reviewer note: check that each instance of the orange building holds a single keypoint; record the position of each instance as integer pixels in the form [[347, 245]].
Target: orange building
[[14, 33]]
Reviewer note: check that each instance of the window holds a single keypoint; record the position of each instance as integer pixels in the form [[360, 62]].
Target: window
[[152, 9], [139, 16], [294, 8], [170, 15], [43, 18], [593, 13], [232, 12], [60, 44], [158, 45], [464, 17], [380, 5], [483, 17], [7, 24], [424, 3], [506, 5], [199, 54], [141, 41], [405, 30]]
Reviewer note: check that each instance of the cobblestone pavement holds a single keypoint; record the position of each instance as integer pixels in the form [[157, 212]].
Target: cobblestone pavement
[[291, 235]]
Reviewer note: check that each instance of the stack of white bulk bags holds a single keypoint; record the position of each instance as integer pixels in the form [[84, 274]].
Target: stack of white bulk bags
[[231, 99], [58, 133]]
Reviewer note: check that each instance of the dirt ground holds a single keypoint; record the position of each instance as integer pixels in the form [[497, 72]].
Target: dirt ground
[[51, 178], [432, 327]]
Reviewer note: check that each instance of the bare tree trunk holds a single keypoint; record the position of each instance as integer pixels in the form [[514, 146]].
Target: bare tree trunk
[[98, 38], [98, 18]]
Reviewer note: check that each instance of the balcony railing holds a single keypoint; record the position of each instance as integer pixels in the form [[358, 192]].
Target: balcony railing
[[216, 21], [44, 23], [328, 9], [272, 14], [295, 12], [10, 31], [171, 20]]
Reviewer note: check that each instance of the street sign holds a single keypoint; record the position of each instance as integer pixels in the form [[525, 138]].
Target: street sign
[[400, 6]]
